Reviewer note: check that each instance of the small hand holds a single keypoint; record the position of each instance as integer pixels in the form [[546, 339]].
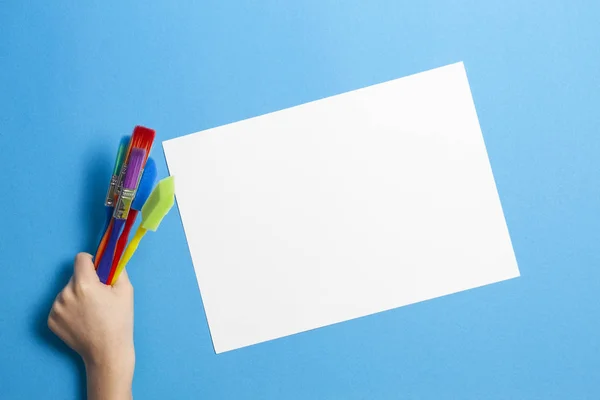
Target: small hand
[[96, 321]]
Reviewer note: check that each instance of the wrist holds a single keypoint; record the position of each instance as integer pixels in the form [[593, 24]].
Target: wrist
[[121, 362], [110, 377]]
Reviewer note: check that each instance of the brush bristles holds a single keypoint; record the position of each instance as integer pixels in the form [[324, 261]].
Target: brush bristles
[[146, 184], [142, 138], [123, 146], [136, 162]]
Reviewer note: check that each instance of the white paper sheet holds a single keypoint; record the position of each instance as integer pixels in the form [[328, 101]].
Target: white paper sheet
[[340, 208]]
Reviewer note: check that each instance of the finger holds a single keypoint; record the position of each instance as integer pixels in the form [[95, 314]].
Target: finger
[[52, 323], [84, 268], [123, 281], [57, 325]]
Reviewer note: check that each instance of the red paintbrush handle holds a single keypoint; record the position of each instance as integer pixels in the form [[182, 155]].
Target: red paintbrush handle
[[122, 243]]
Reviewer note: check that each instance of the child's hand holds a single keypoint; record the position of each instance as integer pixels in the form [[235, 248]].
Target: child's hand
[[96, 321]]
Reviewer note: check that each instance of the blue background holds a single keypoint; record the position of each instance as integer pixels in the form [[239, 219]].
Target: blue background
[[75, 76]]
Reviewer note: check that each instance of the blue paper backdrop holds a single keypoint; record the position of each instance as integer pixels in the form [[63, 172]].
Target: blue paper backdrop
[[75, 76]]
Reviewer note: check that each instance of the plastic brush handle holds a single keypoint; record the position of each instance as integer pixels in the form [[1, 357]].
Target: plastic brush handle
[[102, 245], [131, 248], [107, 230], [122, 242], [109, 214], [107, 258]]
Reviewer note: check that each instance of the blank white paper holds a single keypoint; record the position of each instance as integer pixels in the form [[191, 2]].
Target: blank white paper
[[340, 208]]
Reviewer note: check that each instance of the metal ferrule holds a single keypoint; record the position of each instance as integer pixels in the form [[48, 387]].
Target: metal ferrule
[[124, 204], [112, 188]]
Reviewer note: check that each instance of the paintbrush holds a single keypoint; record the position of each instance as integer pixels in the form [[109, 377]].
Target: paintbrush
[[143, 192], [141, 138], [159, 203], [109, 201], [122, 207]]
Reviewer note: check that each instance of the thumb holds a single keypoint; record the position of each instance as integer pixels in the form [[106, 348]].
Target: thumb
[[84, 268]]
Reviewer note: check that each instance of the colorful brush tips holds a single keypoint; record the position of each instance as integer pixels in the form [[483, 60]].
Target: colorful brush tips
[[131, 191], [142, 138], [132, 159]]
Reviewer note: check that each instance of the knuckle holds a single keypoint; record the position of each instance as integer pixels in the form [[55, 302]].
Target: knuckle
[[82, 287], [65, 296], [57, 309], [52, 322]]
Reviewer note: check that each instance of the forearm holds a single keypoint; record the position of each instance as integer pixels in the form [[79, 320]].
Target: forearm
[[109, 381], [96, 320]]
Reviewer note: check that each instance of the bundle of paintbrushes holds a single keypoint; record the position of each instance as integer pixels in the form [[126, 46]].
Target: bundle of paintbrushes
[[131, 190]]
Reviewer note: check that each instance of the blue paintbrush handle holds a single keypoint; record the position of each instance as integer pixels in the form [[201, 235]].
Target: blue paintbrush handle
[[107, 259], [109, 214]]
